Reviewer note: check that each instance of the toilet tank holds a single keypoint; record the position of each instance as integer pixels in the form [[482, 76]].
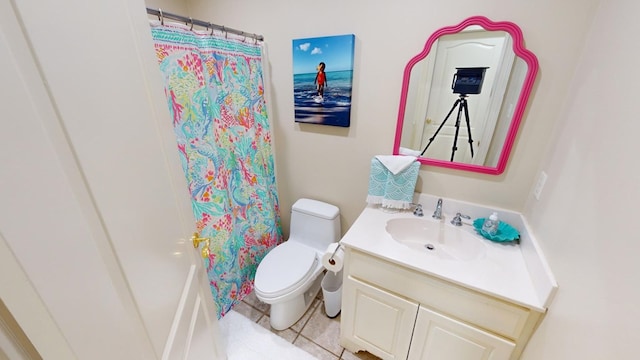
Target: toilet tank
[[314, 223]]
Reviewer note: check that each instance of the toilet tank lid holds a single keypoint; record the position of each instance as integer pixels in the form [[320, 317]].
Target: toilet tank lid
[[316, 208]]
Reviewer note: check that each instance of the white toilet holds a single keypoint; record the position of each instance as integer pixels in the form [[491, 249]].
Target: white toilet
[[289, 276]]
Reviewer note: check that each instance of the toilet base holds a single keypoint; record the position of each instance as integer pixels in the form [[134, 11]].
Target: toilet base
[[285, 314]]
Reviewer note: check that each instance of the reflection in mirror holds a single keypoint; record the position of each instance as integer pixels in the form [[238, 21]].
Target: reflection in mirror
[[455, 115]]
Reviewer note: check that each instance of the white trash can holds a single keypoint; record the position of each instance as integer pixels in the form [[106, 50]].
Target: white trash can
[[332, 293]]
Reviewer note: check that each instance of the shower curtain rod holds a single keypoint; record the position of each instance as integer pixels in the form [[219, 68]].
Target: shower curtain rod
[[190, 21]]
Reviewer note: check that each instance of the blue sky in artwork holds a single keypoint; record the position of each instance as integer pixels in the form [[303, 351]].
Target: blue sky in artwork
[[335, 51]]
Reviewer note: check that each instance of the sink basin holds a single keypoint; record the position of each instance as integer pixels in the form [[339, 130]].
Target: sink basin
[[436, 238]]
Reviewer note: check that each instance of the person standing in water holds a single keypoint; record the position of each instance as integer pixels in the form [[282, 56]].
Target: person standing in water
[[321, 80]]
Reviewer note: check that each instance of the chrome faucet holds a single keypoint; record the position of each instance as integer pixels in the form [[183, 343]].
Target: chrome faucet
[[437, 214], [457, 220]]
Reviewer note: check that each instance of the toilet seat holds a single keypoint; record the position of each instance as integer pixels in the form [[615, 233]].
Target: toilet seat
[[285, 267]]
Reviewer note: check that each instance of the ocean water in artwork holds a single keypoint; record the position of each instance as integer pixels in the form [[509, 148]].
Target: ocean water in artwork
[[334, 108]]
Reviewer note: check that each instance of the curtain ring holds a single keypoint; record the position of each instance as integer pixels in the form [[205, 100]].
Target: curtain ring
[[243, 35], [224, 31], [190, 22], [161, 16], [255, 39], [210, 25]]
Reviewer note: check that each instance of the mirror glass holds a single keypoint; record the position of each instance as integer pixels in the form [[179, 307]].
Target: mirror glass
[[464, 95]]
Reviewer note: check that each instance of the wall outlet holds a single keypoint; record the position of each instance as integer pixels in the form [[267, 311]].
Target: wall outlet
[[542, 178]]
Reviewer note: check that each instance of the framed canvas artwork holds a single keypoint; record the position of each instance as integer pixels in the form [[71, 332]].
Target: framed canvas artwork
[[322, 79]]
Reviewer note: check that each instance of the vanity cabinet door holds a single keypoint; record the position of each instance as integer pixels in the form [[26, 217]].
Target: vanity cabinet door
[[377, 321], [437, 337]]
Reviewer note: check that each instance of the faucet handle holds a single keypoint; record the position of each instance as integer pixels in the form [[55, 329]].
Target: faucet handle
[[418, 210], [457, 220]]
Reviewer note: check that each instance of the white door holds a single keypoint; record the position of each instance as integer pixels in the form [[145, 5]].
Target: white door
[[95, 218], [437, 337], [466, 49]]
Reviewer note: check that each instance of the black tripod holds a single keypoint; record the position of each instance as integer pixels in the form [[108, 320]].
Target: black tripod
[[461, 103]]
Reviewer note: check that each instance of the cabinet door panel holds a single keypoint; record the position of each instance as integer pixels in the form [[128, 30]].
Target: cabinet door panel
[[437, 337], [377, 320]]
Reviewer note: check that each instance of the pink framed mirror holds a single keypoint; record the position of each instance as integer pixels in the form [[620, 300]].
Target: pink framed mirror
[[464, 95]]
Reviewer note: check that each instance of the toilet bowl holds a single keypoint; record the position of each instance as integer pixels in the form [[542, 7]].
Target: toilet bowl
[[288, 278]]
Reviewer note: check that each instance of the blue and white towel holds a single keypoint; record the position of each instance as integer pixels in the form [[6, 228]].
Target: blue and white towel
[[392, 181]]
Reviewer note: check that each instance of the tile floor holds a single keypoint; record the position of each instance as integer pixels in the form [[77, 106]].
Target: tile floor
[[315, 333]]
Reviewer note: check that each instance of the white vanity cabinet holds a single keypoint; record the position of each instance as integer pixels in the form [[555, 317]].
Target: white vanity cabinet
[[395, 312]]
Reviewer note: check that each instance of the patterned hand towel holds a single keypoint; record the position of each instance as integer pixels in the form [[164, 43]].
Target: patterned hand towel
[[392, 190]]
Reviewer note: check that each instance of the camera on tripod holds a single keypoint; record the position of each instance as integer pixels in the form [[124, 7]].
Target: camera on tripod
[[466, 81]]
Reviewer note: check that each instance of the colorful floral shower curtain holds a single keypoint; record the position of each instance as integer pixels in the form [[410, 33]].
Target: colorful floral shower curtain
[[215, 91]]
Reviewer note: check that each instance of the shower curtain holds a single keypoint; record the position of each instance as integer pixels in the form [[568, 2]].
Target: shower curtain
[[215, 90]]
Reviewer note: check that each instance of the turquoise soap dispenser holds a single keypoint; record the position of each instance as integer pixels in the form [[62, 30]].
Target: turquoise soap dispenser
[[490, 225]]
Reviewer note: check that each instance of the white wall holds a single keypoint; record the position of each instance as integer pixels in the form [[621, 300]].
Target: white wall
[[332, 164], [585, 218], [173, 6]]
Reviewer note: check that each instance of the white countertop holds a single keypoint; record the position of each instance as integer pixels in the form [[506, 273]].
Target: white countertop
[[501, 272]]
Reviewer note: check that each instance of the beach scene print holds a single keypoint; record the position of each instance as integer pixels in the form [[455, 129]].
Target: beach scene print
[[322, 79]]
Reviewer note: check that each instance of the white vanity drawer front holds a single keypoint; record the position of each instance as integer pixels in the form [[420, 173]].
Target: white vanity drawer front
[[467, 305]]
